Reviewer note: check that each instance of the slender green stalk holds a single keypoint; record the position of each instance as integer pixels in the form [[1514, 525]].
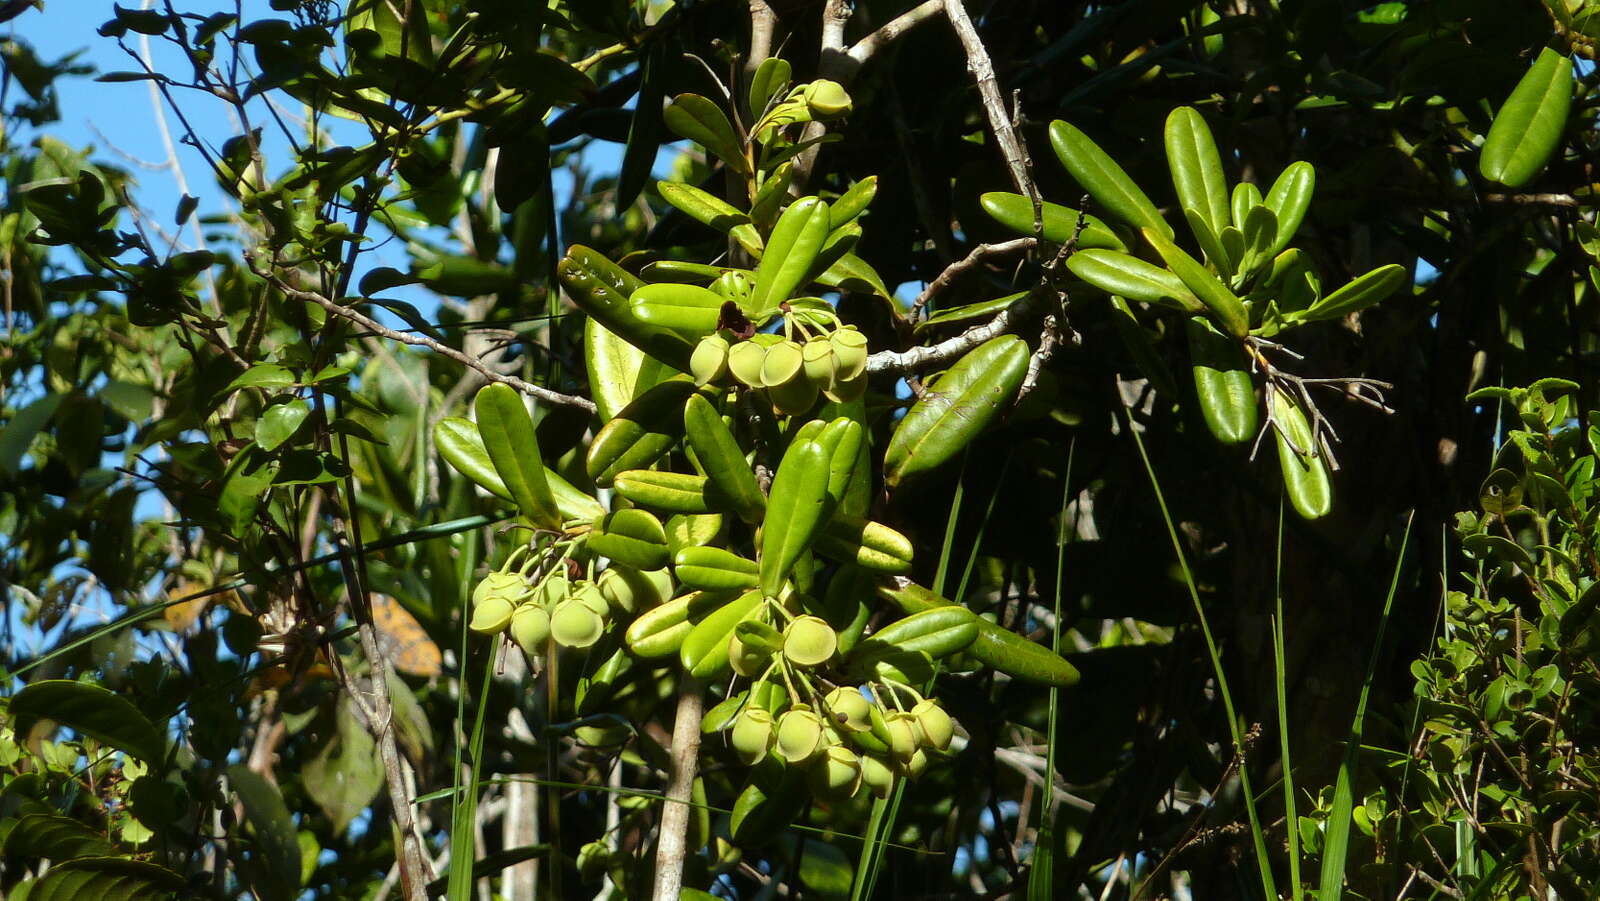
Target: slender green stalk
[[464, 806], [1258, 838], [1290, 819], [1041, 874], [1336, 844]]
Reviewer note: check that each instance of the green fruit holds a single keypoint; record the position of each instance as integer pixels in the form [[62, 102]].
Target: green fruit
[[751, 735], [491, 616], [902, 737], [915, 764], [710, 359], [509, 586], [574, 625], [850, 353], [809, 641], [794, 397], [850, 710], [594, 859], [745, 361], [827, 99], [782, 363], [933, 724], [800, 735], [876, 776], [837, 774], [820, 361], [530, 628], [554, 590], [748, 659], [588, 594]]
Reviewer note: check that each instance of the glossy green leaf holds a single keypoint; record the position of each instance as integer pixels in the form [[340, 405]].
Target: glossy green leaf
[[852, 203], [631, 537], [852, 273], [702, 206], [994, 645], [461, 446], [25, 425], [704, 653], [100, 714], [673, 492], [795, 509], [1119, 273], [1362, 291], [870, 545], [513, 447], [1289, 200], [723, 461], [1245, 198], [954, 409], [644, 130], [770, 79], [618, 371], [796, 240], [1197, 168], [601, 288], [1105, 181], [688, 310], [1222, 382], [1217, 254], [1223, 303], [1141, 346], [106, 879], [274, 834], [1305, 472], [1260, 237], [639, 434], [279, 421], [1528, 127], [715, 569], [1015, 212], [702, 121]]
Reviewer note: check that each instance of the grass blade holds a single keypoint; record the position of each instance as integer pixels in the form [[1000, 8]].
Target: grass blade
[[1290, 819], [1336, 844], [1041, 875], [1258, 838]]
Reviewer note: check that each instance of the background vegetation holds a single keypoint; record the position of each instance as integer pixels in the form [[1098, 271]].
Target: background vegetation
[[228, 522]]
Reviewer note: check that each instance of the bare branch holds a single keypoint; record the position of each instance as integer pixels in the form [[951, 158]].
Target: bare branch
[[367, 322], [994, 105], [1563, 201], [763, 21], [921, 357], [670, 850], [970, 261], [891, 31]]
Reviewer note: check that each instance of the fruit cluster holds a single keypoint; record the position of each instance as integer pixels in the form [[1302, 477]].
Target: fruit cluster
[[574, 613], [833, 364]]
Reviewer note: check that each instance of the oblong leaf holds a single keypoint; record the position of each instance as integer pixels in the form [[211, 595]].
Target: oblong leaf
[[513, 447], [462, 447], [1015, 212], [100, 714], [702, 206], [953, 410], [720, 456], [704, 652], [1133, 278], [794, 511], [703, 122], [688, 310], [1528, 127], [995, 645], [1222, 383], [1289, 199], [1305, 472], [1105, 181], [795, 242], [1197, 168], [1223, 303], [275, 838], [618, 371], [1362, 291], [601, 288], [639, 434]]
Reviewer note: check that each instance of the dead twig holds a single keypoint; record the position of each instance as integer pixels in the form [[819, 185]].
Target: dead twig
[[994, 105], [973, 258]]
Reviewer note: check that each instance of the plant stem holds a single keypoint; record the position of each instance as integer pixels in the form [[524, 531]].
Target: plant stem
[[670, 849]]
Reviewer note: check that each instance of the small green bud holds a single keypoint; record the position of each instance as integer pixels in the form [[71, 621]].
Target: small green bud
[[594, 859], [745, 361], [748, 659]]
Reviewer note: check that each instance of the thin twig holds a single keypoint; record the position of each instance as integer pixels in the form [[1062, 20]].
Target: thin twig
[[994, 105], [922, 357], [536, 391], [976, 256], [891, 31]]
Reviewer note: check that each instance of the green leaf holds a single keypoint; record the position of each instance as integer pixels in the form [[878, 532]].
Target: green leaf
[[1289, 199], [954, 409], [702, 121], [1305, 472], [1222, 382], [262, 375], [1133, 278], [279, 422], [18, 434], [96, 712], [1105, 181], [770, 79], [644, 132], [701, 206], [345, 775], [796, 241], [513, 446], [55, 837], [1528, 127], [1197, 168], [618, 371], [1363, 291], [278, 879], [1223, 303], [1060, 223], [107, 879], [795, 506]]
